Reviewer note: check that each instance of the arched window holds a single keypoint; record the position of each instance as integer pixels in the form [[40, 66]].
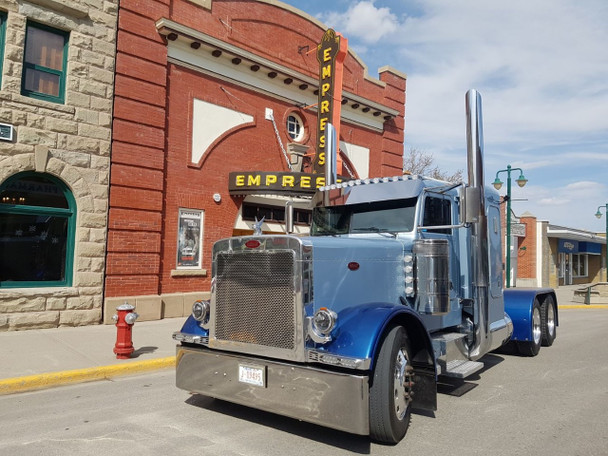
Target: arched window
[[37, 230], [295, 127]]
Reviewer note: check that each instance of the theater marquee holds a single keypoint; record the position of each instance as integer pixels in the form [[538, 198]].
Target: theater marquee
[[260, 182]]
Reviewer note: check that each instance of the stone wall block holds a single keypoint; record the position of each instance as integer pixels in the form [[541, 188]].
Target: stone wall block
[[22, 304], [91, 250], [56, 303], [34, 320], [101, 104], [80, 317], [80, 303], [87, 116], [83, 144], [83, 264], [55, 166], [94, 131], [173, 305], [93, 220], [93, 88], [81, 41], [36, 136], [88, 279], [62, 126], [78, 99], [13, 52], [148, 307]]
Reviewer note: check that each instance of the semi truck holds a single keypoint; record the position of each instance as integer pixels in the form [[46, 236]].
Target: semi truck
[[398, 284]]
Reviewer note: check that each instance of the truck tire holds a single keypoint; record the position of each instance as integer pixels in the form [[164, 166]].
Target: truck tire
[[532, 347], [391, 389], [547, 315]]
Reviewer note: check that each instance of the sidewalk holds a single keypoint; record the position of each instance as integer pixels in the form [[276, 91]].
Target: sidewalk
[[43, 358]]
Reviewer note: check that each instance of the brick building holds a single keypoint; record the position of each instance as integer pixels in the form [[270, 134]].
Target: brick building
[[206, 90], [546, 255], [56, 88]]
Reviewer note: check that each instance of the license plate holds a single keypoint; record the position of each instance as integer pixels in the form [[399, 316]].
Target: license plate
[[253, 375]]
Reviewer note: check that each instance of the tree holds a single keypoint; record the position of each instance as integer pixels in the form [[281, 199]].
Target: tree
[[423, 163]]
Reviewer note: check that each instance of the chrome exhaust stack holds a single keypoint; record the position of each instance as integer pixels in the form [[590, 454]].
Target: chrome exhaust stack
[[476, 215]]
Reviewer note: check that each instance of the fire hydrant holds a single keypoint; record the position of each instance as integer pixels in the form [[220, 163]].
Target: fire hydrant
[[125, 318]]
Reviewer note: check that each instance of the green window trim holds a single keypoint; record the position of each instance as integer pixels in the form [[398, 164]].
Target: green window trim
[[61, 74], [69, 214], [2, 41]]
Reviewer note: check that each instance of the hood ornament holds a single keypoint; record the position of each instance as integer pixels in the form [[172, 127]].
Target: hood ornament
[[257, 226]]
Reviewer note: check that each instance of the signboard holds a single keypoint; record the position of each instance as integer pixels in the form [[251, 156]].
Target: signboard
[[567, 246], [189, 237], [331, 53], [259, 182], [518, 229], [6, 132]]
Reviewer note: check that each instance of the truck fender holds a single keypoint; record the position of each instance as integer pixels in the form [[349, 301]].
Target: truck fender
[[519, 303], [192, 327], [361, 333]]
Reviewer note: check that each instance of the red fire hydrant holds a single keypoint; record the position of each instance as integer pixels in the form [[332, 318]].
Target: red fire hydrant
[[125, 318]]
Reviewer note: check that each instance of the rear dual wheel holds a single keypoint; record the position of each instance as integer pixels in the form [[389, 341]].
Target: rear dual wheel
[[391, 389], [532, 347], [548, 321]]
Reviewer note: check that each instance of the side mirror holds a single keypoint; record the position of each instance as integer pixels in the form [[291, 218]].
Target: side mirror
[[470, 205]]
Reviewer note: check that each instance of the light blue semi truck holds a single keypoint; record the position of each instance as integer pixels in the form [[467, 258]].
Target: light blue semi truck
[[400, 282]]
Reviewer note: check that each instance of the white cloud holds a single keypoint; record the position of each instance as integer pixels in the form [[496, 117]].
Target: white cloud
[[364, 21], [541, 67]]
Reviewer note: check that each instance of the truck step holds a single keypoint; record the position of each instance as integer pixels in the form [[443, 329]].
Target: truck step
[[462, 368]]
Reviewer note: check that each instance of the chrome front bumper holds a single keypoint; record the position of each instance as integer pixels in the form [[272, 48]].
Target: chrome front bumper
[[331, 399]]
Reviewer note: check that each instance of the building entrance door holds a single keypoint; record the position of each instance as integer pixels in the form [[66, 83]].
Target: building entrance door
[[565, 268]]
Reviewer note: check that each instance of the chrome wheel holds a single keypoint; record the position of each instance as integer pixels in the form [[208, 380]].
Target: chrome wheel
[[536, 325], [402, 385], [390, 392]]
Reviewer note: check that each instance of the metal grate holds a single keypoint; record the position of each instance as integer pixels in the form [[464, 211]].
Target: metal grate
[[255, 298]]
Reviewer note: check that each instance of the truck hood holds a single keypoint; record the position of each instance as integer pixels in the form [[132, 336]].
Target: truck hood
[[356, 269]]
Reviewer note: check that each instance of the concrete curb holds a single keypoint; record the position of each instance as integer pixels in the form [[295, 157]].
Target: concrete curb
[[583, 306], [49, 380]]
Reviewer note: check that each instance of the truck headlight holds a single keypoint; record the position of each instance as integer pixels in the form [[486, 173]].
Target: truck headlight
[[324, 321], [321, 324], [200, 312]]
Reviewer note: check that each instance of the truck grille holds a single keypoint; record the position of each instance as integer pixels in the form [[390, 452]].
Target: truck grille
[[255, 298]]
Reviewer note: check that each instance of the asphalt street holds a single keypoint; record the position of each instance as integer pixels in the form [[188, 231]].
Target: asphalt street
[[554, 404]]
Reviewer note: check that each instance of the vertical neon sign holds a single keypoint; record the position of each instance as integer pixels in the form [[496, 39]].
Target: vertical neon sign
[[331, 53]]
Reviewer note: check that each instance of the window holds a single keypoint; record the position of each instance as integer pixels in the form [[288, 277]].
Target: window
[[44, 63], [437, 212], [2, 34], [295, 127], [579, 265], [37, 230], [274, 214], [189, 239]]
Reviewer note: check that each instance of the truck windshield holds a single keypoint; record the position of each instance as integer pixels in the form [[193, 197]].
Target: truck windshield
[[394, 216]]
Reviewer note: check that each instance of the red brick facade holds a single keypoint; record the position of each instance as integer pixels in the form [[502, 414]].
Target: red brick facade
[[152, 174], [526, 252]]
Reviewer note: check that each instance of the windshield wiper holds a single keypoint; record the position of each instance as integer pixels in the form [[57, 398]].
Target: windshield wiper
[[375, 229]]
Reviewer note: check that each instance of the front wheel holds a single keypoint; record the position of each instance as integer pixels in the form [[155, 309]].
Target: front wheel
[[390, 394], [532, 347]]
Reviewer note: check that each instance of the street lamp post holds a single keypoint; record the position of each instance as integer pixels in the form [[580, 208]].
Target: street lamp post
[[521, 181], [598, 214]]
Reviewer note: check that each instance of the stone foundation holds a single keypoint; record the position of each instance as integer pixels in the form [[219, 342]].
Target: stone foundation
[[154, 307]]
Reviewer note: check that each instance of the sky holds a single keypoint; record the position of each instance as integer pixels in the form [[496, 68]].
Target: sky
[[541, 68]]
